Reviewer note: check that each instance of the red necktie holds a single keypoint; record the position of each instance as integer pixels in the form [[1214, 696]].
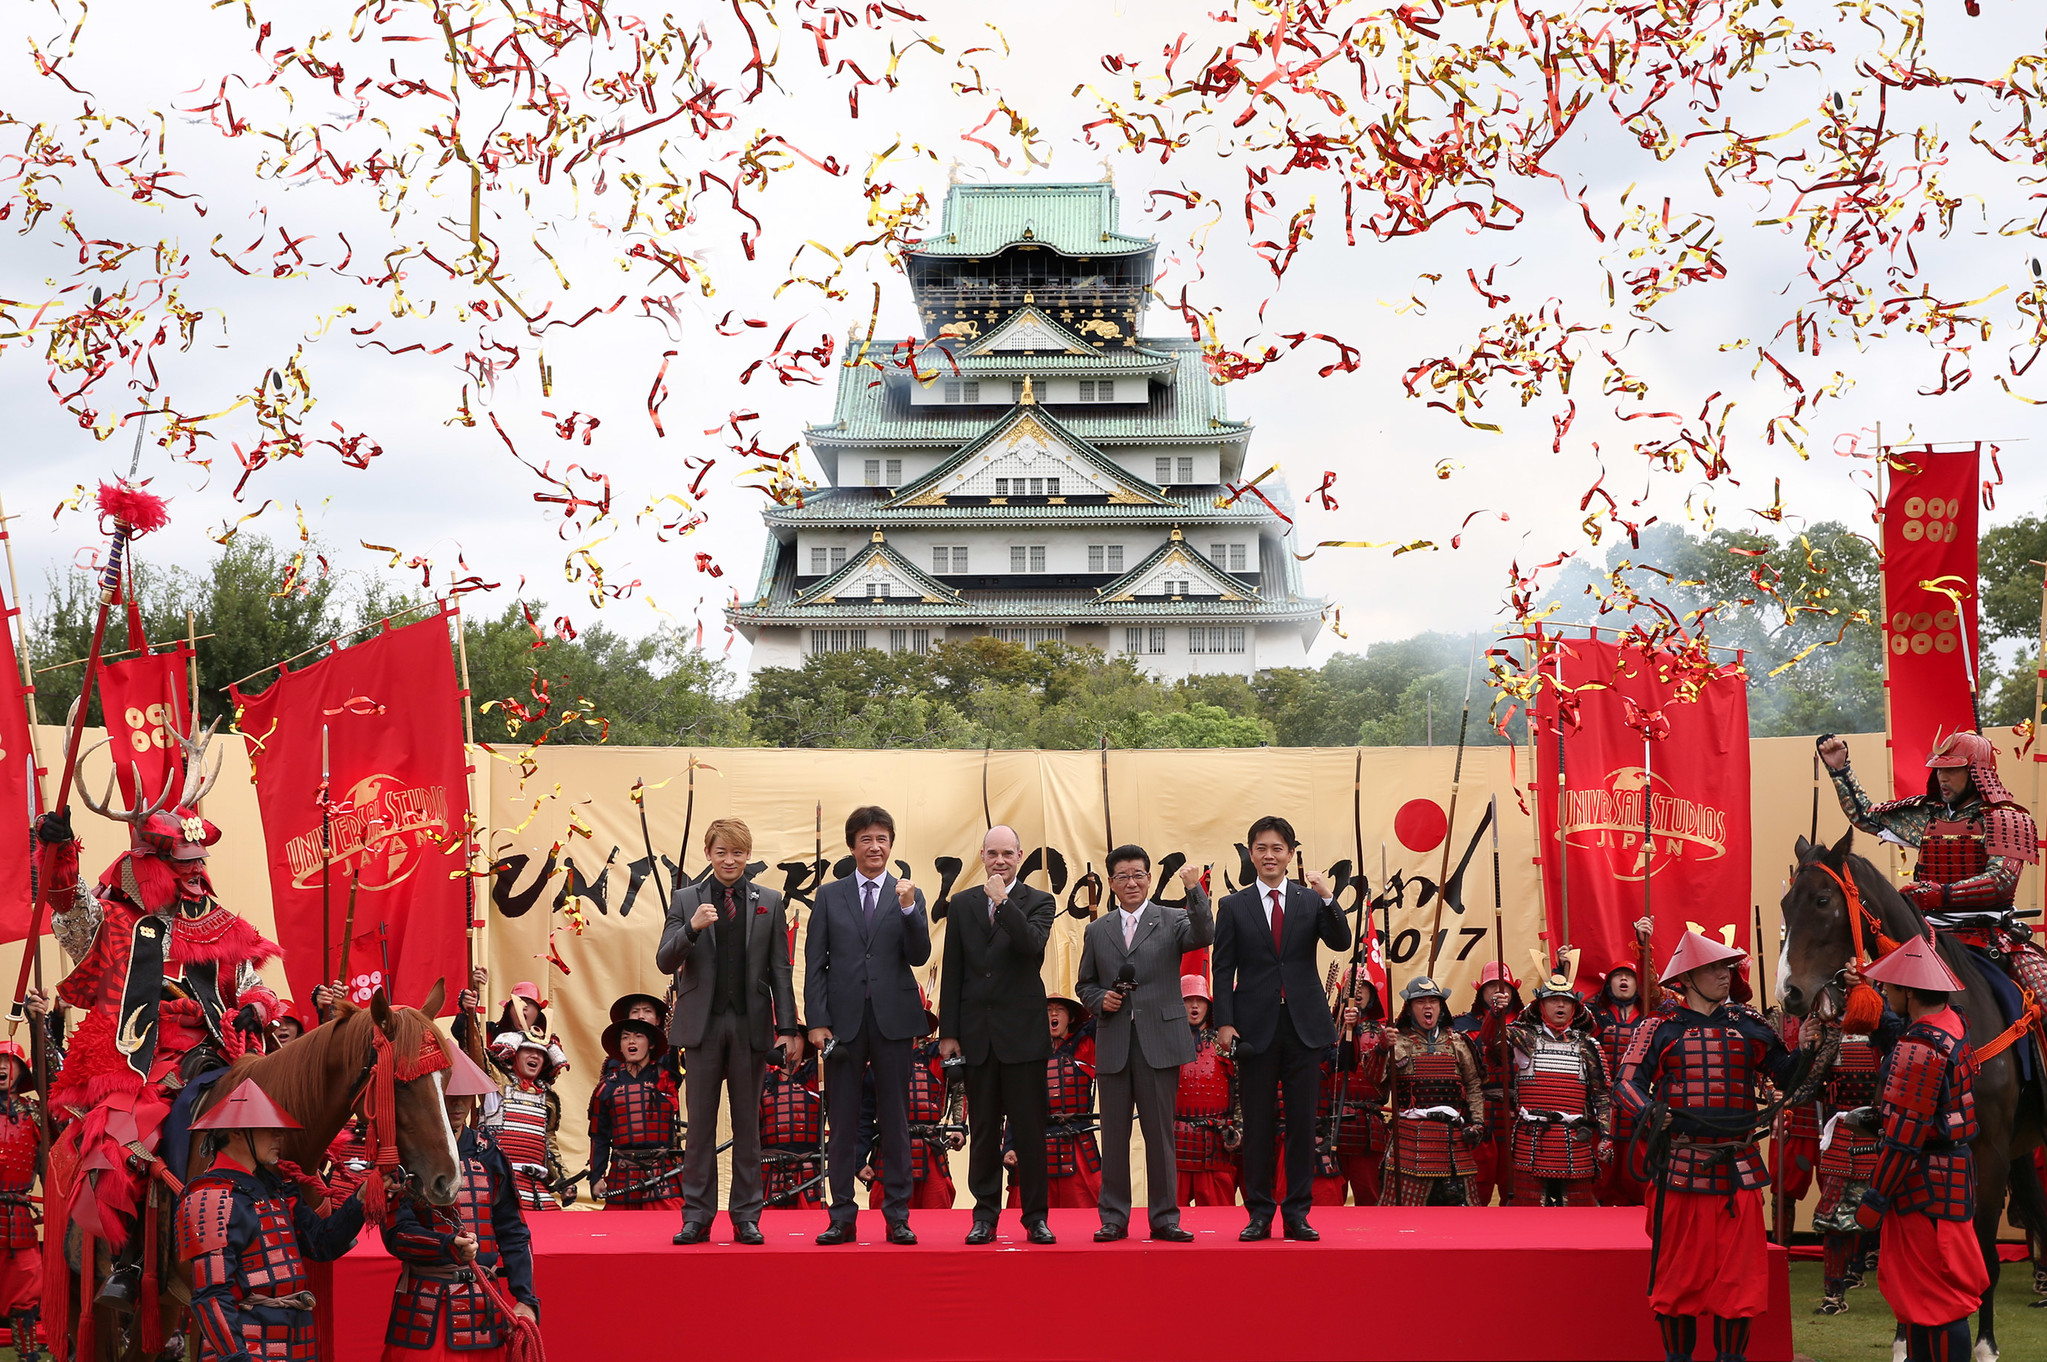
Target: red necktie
[[1278, 920]]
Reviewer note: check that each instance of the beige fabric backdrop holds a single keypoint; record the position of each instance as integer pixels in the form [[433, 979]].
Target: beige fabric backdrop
[[1198, 803]]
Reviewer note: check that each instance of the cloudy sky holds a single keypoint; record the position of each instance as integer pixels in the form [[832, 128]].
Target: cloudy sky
[[1404, 471]]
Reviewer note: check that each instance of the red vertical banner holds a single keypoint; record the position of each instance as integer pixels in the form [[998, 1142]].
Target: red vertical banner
[[17, 784], [1929, 567], [146, 702], [398, 800], [1696, 781]]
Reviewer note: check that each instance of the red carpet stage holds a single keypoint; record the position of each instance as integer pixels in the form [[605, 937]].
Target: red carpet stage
[[1443, 1284]]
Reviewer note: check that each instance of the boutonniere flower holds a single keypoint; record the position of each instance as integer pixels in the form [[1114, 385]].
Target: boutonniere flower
[[760, 910]]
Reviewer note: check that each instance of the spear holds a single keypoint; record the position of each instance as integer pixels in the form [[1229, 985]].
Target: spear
[[134, 512], [1499, 935], [1450, 825], [326, 861]]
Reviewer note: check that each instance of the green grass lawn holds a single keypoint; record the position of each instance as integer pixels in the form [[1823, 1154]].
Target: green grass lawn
[[1864, 1333]]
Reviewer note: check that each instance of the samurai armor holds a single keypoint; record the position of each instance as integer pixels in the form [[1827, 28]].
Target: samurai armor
[[244, 1235], [1070, 1146], [1928, 1119], [634, 1122], [524, 1127], [437, 1303], [1848, 1159], [1431, 1146], [1560, 1103], [1202, 1108], [20, 1146]]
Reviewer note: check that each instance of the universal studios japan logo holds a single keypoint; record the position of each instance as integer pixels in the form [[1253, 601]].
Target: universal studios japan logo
[[383, 831], [1608, 822]]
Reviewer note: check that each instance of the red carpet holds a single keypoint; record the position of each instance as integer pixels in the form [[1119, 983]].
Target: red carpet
[[1443, 1284]]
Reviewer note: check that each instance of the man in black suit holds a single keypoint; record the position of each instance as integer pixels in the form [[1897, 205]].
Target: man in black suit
[[991, 1012], [1268, 1002], [867, 933]]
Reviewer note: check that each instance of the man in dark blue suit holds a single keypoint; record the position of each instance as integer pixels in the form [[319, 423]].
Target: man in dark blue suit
[[1269, 1003], [868, 933]]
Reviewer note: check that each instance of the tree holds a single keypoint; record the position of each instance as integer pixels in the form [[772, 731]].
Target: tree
[[1196, 726]]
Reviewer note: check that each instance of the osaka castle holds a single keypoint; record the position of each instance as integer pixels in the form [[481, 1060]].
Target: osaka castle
[[1034, 468]]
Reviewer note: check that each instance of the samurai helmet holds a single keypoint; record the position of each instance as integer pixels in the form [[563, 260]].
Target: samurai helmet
[[248, 1107], [1915, 964], [1496, 972], [1359, 983], [657, 1039], [1696, 950], [1974, 752], [1194, 986], [466, 1077], [1418, 988], [12, 1050], [1559, 980], [168, 827]]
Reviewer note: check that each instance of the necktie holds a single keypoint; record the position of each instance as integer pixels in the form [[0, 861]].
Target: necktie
[[991, 912], [731, 908], [867, 900], [1278, 920], [1129, 929]]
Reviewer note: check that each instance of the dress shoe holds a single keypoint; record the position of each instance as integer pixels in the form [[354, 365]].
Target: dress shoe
[[692, 1233], [1172, 1234], [746, 1232], [901, 1233], [1301, 1230], [1109, 1234], [1040, 1233], [1256, 1230], [983, 1232], [837, 1234]]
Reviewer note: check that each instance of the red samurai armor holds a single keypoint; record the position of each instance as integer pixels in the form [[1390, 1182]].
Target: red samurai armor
[[437, 1307], [1204, 1112], [1923, 1191], [792, 1133], [934, 1111], [161, 968], [635, 1121], [1439, 1109], [247, 1237]]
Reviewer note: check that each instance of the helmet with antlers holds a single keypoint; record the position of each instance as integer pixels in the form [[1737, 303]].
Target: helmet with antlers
[[174, 831]]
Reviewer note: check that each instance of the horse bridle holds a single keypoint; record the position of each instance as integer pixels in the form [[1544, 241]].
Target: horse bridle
[[1863, 925], [358, 1089]]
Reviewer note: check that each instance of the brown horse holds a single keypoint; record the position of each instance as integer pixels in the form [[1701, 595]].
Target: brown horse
[[319, 1079], [1818, 948]]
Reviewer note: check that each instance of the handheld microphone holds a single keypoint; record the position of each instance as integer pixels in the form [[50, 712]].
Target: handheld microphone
[[1126, 979], [831, 1044]]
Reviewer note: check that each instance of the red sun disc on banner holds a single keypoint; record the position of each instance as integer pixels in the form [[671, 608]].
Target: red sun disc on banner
[[1420, 824]]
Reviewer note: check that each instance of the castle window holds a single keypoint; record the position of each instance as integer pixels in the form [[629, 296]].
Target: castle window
[[967, 392], [1144, 642], [1163, 471], [816, 561], [1037, 558], [872, 470], [1219, 554], [1087, 390], [1236, 557], [837, 558], [949, 559], [895, 473], [1051, 487], [1016, 390], [877, 591], [837, 640], [1186, 469], [1105, 391], [1002, 487], [1104, 557], [1032, 637], [909, 640]]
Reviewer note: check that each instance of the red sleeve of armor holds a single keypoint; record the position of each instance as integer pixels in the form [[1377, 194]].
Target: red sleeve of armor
[[1910, 1105], [267, 1004], [209, 1235], [1991, 887], [1634, 1084]]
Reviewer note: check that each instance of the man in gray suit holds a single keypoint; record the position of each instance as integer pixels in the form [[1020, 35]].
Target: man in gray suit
[[867, 933], [726, 941], [1130, 980]]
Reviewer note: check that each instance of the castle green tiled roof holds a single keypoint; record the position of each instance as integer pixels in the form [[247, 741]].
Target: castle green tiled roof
[[868, 508], [871, 410], [1073, 219]]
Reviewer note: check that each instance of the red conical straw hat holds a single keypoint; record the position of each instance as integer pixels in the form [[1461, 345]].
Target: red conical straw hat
[[248, 1107], [1914, 964], [1694, 951], [466, 1078]]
